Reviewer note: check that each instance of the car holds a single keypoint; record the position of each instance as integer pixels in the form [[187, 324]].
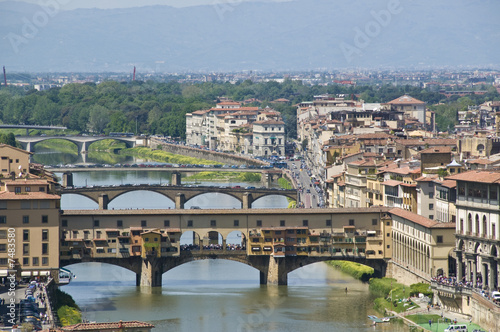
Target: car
[[195, 207], [495, 296], [250, 187]]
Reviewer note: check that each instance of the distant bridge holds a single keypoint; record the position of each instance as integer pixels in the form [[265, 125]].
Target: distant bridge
[[82, 142], [103, 195], [28, 127]]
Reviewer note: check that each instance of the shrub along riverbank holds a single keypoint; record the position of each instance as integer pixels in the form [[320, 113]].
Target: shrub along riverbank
[[67, 310], [225, 176], [391, 295], [356, 270], [166, 157]]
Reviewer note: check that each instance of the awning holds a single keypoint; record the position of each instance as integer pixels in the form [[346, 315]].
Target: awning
[[26, 274], [4, 273], [45, 273], [35, 273]]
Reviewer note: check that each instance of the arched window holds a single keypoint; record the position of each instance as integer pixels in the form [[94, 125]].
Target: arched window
[[477, 225], [485, 227], [469, 224]]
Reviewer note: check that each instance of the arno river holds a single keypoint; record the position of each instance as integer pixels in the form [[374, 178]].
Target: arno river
[[214, 295]]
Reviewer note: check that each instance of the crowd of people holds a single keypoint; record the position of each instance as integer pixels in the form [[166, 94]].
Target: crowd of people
[[229, 247], [453, 282]]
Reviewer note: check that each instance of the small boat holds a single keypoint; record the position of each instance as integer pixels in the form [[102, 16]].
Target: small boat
[[380, 320], [375, 319]]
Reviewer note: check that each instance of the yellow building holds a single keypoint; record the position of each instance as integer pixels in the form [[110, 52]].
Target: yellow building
[[422, 248], [151, 243], [29, 216], [13, 161]]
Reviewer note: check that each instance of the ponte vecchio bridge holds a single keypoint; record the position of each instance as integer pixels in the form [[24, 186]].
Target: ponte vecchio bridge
[[274, 241]]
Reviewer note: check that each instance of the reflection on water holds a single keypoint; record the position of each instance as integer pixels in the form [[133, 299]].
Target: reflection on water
[[219, 295]]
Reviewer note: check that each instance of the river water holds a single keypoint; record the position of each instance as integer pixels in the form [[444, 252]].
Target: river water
[[213, 295]]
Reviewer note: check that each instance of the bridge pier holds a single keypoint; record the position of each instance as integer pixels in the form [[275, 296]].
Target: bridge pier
[[273, 270], [67, 179], [176, 179], [247, 201], [103, 201], [180, 200], [151, 273]]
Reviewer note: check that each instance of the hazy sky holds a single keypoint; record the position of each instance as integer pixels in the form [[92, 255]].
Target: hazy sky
[[106, 4]]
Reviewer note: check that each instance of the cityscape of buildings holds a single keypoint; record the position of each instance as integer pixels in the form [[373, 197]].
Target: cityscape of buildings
[[439, 191]]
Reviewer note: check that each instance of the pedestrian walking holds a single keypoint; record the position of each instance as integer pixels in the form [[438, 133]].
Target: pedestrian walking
[[430, 322]]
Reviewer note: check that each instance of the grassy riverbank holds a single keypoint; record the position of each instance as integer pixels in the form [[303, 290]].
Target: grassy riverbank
[[60, 145], [225, 176], [356, 270], [107, 145], [395, 296], [166, 157]]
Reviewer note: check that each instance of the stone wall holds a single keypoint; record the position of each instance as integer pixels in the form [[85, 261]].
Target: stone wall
[[403, 275], [224, 158], [484, 313]]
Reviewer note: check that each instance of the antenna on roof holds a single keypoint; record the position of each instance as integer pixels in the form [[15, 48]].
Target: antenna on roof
[[4, 76], [133, 78]]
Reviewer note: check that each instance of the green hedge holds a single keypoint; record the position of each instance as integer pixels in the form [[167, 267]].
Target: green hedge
[[356, 270], [66, 308], [69, 315]]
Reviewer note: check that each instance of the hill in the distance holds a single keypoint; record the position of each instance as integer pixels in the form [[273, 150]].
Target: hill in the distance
[[297, 35]]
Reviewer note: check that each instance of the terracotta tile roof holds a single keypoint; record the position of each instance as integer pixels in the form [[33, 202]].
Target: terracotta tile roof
[[430, 141], [392, 183], [200, 112], [449, 183], [427, 178], [410, 185], [476, 176], [418, 219], [405, 100], [481, 161], [106, 326], [270, 122], [27, 196], [402, 171], [437, 149], [374, 136], [24, 181]]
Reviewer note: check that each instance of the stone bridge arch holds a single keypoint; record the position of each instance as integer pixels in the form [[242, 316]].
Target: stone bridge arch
[[131, 263], [82, 142]]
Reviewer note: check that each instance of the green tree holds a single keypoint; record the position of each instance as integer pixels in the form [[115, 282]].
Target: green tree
[[98, 119]]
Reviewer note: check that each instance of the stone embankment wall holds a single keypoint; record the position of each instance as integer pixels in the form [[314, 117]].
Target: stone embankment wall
[[220, 157], [484, 313], [403, 275]]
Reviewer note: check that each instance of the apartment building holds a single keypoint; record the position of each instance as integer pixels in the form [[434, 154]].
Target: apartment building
[[29, 214], [231, 127]]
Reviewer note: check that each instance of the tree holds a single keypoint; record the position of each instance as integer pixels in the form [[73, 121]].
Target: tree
[[98, 119]]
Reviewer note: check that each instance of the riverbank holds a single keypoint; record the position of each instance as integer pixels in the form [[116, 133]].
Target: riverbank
[[224, 176], [165, 157]]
